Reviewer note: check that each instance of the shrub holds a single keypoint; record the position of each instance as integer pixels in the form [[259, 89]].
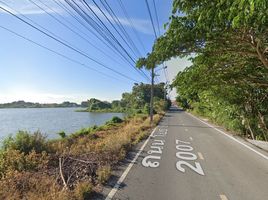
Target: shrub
[[62, 134], [89, 132], [115, 120], [83, 190], [31, 187], [26, 142], [14, 160], [82, 132], [103, 174]]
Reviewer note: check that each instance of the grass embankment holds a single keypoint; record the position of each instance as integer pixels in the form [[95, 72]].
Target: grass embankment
[[71, 168]]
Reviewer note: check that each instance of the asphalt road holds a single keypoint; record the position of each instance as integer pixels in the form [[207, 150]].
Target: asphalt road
[[185, 159]]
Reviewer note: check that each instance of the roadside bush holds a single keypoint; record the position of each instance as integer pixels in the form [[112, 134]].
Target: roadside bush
[[62, 134], [103, 174], [114, 120], [31, 187], [26, 142], [86, 132], [83, 190], [14, 160], [82, 132]]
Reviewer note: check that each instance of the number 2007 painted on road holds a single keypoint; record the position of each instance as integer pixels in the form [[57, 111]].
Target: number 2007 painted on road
[[185, 155]]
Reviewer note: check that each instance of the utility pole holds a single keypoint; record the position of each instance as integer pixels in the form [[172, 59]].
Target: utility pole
[[152, 98]]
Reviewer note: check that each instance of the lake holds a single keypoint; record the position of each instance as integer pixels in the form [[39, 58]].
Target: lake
[[49, 120]]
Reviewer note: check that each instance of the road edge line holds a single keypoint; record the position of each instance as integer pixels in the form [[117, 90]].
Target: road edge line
[[229, 136], [125, 173]]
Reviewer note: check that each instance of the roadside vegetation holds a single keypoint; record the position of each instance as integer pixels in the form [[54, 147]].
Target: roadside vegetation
[[227, 42], [75, 166]]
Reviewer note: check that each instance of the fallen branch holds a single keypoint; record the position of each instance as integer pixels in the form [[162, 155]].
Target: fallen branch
[[61, 174]]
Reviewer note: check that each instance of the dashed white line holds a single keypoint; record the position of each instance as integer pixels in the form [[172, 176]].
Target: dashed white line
[[231, 137], [201, 157], [125, 173], [223, 197]]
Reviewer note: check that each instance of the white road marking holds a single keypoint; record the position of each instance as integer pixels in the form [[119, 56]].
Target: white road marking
[[125, 173], [191, 138], [201, 157], [186, 129], [231, 137], [223, 197]]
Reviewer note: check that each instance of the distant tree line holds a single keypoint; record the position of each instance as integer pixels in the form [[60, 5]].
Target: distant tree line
[[23, 104]]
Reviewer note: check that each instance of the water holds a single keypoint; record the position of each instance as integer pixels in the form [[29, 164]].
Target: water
[[49, 120]]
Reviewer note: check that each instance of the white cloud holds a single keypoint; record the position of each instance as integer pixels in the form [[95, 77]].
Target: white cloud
[[25, 7], [141, 25]]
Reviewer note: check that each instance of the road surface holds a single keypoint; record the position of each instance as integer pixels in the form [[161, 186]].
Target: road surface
[[186, 159]]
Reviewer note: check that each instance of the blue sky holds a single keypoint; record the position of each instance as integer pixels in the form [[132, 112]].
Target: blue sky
[[31, 73]]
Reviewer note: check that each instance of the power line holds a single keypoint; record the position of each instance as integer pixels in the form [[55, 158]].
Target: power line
[[151, 18], [107, 29], [118, 22], [67, 10], [131, 23], [66, 45], [72, 30], [36, 24], [158, 26], [114, 27], [156, 15], [58, 53], [101, 28], [96, 27]]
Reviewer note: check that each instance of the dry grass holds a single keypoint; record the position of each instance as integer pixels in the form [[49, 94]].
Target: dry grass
[[103, 174], [88, 163]]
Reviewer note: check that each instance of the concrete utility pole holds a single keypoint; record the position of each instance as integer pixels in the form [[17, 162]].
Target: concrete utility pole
[[152, 98]]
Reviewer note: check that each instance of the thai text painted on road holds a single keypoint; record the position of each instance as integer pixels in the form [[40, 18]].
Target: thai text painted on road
[[156, 148]]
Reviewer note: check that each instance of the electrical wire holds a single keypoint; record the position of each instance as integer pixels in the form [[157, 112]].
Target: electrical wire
[[97, 28], [119, 24], [126, 42], [64, 44], [131, 23], [58, 53], [72, 30], [67, 10], [157, 19], [151, 18], [101, 28]]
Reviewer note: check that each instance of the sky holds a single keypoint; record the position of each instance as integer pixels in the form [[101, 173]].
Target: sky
[[33, 73]]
